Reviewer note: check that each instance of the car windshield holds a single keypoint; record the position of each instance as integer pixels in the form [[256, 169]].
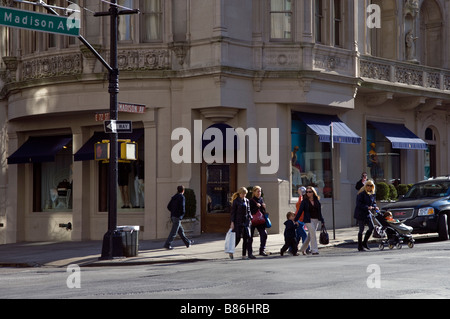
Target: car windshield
[[429, 189]]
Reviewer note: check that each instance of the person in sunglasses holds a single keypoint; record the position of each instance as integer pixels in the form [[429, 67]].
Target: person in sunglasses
[[365, 202], [311, 210]]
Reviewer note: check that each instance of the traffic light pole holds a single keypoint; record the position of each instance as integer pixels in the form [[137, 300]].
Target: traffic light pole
[[111, 248]]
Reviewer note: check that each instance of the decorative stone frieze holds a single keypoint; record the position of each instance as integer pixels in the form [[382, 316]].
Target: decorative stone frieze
[[51, 66], [142, 60]]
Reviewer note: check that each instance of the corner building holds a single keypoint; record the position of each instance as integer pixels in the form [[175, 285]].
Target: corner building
[[379, 70]]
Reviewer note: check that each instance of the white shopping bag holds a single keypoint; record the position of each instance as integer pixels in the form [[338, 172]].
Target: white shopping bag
[[230, 242]]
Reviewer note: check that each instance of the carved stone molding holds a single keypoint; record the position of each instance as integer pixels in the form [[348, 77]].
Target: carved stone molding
[[180, 49], [376, 99], [374, 70], [142, 60], [430, 105], [330, 62], [51, 66], [11, 63], [410, 103], [219, 114]]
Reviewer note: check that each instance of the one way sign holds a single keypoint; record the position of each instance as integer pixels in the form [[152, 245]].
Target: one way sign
[[118, 126]]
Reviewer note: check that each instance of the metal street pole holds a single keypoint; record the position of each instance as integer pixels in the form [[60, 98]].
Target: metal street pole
[[111, 248], [332, 177]]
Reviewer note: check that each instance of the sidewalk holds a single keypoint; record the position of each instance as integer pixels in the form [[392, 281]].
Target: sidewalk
[[87, 253]]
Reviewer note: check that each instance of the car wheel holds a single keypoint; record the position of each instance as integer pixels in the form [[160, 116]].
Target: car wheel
[[443, 227]]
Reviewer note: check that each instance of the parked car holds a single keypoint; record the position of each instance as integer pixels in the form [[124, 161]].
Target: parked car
[[425, 207]]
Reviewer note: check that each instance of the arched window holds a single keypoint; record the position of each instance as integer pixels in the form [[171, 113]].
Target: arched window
[[431, 34]]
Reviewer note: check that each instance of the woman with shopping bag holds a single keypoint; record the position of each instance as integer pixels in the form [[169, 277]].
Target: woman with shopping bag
[[241, 221]]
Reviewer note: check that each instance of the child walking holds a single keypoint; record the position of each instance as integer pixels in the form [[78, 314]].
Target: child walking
[[290, 239]]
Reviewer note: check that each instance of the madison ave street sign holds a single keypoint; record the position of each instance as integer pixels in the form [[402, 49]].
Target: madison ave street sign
[[39, 21]]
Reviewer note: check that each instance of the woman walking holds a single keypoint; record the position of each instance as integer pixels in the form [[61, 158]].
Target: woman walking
[[257, 203], [312, 214], [365, 202], [241, 221]]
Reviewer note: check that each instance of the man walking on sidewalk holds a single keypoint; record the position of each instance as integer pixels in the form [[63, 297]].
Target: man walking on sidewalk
[[177, 211]]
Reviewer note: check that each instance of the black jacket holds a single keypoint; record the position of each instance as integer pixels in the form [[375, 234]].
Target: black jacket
[[289, 231], [177, 206], [240, 212], [363, 201], [305, 207]]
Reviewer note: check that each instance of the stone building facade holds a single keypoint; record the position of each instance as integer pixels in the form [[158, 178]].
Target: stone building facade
[[378, 70]]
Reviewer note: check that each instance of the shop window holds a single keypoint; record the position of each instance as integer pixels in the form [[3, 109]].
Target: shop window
[[383, 161], [310, 160], [281, 19], [52, 183], [131, 182]]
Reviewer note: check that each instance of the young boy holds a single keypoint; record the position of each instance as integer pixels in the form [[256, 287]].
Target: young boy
[[289, 235]]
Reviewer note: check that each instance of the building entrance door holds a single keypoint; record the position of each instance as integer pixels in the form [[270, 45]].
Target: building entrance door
[[218, 184]]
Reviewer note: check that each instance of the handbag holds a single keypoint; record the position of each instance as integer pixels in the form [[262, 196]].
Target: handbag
[[258, 218], [324, 238], [268, 222], [230, 242]]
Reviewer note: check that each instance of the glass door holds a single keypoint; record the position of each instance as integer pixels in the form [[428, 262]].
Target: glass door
[[218, 184]]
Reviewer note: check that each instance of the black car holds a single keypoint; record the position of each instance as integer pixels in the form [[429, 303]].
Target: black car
[[425, 207]]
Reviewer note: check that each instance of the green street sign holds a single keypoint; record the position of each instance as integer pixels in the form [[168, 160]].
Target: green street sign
[[16, 18]]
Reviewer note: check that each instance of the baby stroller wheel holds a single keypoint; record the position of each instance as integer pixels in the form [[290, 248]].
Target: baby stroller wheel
[[391, 246], [381, 246], [410, 244], [399, 246]]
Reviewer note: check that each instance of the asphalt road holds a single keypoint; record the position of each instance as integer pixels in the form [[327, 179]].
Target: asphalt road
[[338, 272]]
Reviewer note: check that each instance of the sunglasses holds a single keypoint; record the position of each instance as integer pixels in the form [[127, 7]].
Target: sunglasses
[[309, 191]]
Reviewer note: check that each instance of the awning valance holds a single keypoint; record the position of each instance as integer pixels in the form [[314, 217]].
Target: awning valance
[[320, 124], [39, 149], [400, 136]]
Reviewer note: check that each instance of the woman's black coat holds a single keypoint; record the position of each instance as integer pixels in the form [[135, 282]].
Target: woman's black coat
[[240, 212], [363, 201]]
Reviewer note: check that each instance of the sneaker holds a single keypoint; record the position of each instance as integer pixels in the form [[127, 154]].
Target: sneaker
[[168, 247], [189, 243]]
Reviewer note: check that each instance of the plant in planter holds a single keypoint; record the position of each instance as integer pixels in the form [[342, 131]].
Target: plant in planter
[[402, 189], [392, 192], [382, 191]]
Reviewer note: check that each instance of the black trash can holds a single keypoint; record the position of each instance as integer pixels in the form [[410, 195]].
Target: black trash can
[[130, 240]]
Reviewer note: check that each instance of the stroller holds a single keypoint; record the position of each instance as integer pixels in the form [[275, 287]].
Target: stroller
[[393, 234]]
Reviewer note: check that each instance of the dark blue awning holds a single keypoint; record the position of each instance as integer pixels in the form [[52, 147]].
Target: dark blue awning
[[320, 124], [39, 149], [400, 136], [86, 152]]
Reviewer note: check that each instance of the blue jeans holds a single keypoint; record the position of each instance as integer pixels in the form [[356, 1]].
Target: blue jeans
[[177, 228]]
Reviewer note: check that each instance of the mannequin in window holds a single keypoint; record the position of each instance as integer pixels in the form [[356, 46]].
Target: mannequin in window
[[373, 161], [124, 171], [138, 173], [296, 169]]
